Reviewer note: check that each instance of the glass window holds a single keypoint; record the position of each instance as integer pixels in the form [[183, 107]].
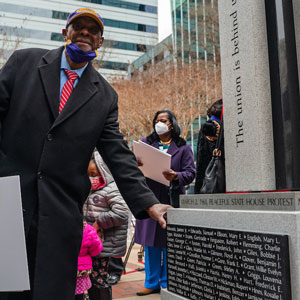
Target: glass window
[[57, 37], [25, 10], [114, 65], [24, 33], [130, 26], [31, 11], [110, 44], [59, 15], [126, 5], [127, 46], [54, 36]]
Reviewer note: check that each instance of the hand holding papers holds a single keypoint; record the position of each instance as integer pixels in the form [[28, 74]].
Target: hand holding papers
[[154, 161], [13, 259]]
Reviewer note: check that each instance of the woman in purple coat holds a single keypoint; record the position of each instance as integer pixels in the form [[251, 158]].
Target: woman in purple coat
[[166, 137]]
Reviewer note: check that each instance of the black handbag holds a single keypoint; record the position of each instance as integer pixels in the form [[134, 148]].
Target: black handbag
[[214, 179]]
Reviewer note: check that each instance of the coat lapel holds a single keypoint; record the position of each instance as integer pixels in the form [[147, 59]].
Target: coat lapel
[[82, 93], [173, 149], [49, 68], [50, 75], [155, 144]]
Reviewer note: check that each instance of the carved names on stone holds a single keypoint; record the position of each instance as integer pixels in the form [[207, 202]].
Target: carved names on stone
[[206, 263]]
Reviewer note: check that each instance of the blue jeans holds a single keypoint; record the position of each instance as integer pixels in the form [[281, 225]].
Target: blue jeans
[[155, 267]]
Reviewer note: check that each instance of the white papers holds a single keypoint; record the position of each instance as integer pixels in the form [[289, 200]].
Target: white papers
[[13, 258], [154, 161]]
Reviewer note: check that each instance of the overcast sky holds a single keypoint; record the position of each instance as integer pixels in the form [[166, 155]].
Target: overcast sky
[[164, 19]]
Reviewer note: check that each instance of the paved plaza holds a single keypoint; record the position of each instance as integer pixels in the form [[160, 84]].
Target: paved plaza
[[132, 281]]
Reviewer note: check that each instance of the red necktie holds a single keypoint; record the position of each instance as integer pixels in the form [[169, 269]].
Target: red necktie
[[67, 88]]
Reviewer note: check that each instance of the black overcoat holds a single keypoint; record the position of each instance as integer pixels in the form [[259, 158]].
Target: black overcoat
[[51, 152]]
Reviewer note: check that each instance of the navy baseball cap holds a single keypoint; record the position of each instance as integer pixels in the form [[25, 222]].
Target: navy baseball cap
[[81, 12]]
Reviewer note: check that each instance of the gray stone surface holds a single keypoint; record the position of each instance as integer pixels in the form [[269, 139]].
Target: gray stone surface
[[246, 93], [166, 295], [296, 6], [248, 140], [279, 201], [254, 221]]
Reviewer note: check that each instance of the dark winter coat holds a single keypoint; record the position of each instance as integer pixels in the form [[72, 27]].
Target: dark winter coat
[[206, 144], [51, 152], [148, 232]]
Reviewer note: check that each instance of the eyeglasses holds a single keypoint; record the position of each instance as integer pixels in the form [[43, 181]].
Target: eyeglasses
[[78, 26]]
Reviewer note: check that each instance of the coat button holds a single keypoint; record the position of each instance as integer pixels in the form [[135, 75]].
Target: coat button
[[49, 137], [39, 175]]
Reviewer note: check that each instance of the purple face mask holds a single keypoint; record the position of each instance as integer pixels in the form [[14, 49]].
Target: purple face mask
[[77, 55]]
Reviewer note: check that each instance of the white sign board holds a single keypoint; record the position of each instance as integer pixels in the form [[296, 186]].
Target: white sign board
[[154, 161], [13, 259]]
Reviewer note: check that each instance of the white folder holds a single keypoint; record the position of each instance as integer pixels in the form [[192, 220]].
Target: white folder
[[13, 259], [154, 161]]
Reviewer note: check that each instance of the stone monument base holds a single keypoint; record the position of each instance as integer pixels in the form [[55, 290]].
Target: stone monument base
[[167, 295], [267, 244]]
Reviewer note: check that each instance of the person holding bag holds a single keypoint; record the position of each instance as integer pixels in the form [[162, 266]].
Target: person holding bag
[[214, 179], [211, 138]]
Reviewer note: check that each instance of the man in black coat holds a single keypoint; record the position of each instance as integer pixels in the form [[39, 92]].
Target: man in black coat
[[50, 151]]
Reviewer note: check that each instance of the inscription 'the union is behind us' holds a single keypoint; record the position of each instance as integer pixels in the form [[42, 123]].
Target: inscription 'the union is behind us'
[[235, 53]]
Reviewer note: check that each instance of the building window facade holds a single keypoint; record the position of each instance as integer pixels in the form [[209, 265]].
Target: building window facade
[[38, 23]]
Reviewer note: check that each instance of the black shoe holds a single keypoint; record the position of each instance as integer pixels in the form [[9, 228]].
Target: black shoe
[[113, 279]]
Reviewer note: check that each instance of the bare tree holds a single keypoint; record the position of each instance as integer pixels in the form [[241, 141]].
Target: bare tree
[[8, 44], [187, 86], [182, 89], [103, 53]]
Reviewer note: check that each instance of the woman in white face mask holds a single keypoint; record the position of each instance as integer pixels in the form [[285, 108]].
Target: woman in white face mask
[[165, 137]]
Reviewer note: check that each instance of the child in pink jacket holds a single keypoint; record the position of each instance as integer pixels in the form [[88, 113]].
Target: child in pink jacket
[[91, 246]]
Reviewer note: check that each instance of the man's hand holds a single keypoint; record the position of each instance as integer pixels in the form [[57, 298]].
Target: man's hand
[[158, 212], [170, 175]]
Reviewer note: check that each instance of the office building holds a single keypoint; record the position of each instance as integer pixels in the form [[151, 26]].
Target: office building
[[131, 28], [160, 53], [195, 27]]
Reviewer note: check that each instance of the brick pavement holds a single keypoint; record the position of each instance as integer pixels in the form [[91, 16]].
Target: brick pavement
[[132, 281]]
